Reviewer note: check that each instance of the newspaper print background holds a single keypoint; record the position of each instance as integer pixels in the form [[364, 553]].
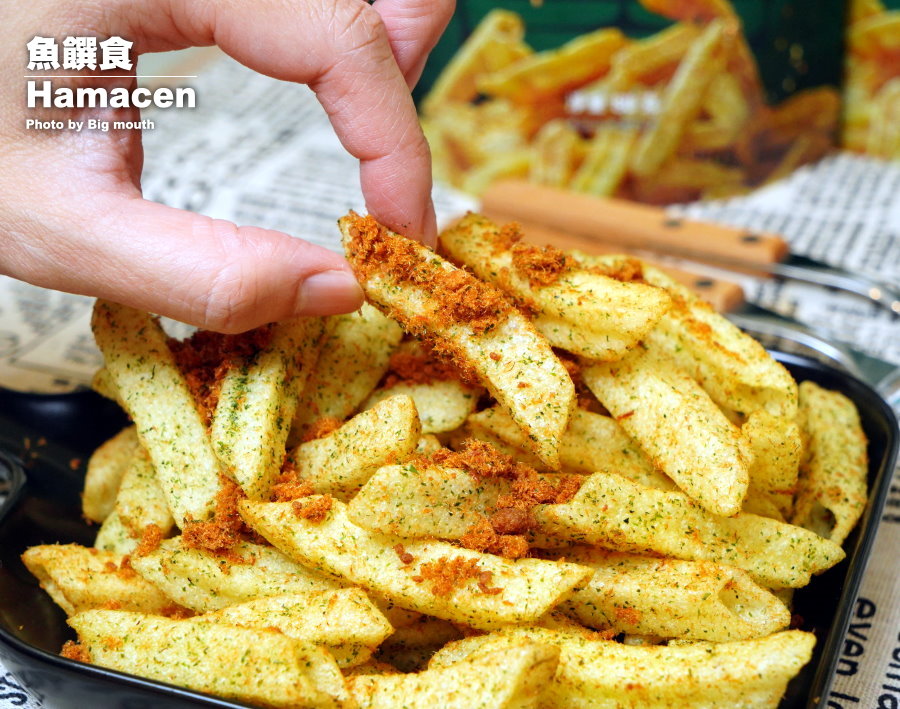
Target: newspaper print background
[[258, 151]]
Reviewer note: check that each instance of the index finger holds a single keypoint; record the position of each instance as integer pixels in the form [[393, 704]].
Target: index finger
[[342, 50], [372, 111]]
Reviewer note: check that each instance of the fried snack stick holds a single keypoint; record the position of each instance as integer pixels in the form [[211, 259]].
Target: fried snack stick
[[470, 320], [105, 470], [777, 448], [204, 582], [592, 442], [643, 59], [831, 494], [677, 425], [341, 462], [344, 621], [115, 536], [257, 402], [578, 309], [606, 162], [156, 395], [742, 63], [604, 673], [557, 149], [257, 666], [354, 356], [669, 598], [78, 578], [426, 500], [733, 368], [442, 405], [441, 398], [614, 513], [140, 500], [512, 678], [481, 590], [410, 648]]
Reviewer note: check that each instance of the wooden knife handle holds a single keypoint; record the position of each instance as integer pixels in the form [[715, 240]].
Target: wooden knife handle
[[723, 295], [627, 224]]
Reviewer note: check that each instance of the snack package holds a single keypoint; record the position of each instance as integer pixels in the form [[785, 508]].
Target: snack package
[[659, 101], [872, 79]]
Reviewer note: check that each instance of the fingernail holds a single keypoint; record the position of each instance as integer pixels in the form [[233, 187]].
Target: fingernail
[[329, 292], [429, 226]]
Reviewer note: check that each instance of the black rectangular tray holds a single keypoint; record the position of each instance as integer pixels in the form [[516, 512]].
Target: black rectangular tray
[[48, 438]]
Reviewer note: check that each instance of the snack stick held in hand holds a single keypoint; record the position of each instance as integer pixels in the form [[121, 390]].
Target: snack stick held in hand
[[472, 322]]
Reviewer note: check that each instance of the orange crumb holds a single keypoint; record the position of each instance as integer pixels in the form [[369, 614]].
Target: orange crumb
[[423, 367], [466, 299], [511, 520], [111, 567], [530, 489], [405, 557], [151, 536], [321, 427], [484, 583], [496, 356], [512, 546], [176, 612], [482, 537], [509, 235], [220, 534], [290, 486], [480, 459], [541, 265], [75, 651], [445, 574], [567, 489], [125, 569], [624, 269], [314, 509], [460, 297], [205, 358], [112, 605], [444, 351], [501, 533], [479, 536], [75, 463]]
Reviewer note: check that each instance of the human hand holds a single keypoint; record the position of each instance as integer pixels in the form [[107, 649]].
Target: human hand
[[71, 212]]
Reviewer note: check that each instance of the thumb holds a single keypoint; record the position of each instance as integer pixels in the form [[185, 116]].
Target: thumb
[[202, 271]]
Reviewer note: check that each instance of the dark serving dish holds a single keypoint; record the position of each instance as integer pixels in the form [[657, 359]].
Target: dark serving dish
[[47, 439]]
